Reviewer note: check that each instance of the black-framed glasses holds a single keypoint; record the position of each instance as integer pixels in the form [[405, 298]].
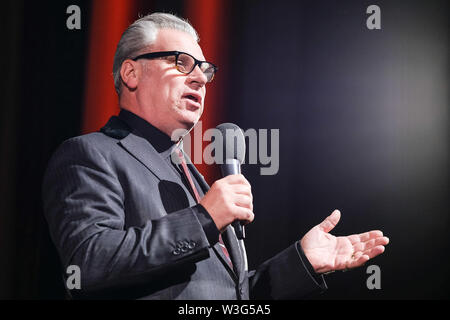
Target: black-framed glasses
[[184, 62]]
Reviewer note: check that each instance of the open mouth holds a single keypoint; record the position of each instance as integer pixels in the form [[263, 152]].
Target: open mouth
[[191, 97], [196, 98]]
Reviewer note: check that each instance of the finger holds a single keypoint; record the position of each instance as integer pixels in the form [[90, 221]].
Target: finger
[[373, 252], [359, 258], [363, 246], [358, 261], [354, 239], [370, 235], [356, 255], [236, 179], [366, 236], [245, 215], [245, 180], [243, 201], [241, 189], [330, 222]]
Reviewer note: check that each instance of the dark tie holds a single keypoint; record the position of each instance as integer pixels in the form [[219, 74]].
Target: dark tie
[[188, 177]]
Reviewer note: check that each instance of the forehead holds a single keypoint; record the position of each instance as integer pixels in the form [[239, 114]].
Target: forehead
[[177, 40]]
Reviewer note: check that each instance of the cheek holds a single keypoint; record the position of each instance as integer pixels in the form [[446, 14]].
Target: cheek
[[169, 88], [158, 87], [162, 94]]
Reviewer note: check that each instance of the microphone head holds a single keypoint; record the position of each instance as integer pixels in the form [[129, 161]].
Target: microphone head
[[233, 142]]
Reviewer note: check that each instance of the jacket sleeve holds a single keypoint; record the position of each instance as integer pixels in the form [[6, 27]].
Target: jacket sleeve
[[288, 275], [84, 208]]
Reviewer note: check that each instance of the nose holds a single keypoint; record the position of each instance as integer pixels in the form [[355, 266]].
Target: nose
[[197, 76]]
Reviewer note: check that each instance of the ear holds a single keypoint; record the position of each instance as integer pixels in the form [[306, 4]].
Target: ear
[[129, 73]]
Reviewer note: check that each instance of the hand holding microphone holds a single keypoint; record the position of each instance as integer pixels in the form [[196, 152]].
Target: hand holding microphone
[[230, 199]]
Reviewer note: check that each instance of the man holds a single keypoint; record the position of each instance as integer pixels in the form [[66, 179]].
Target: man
[[141, 226]]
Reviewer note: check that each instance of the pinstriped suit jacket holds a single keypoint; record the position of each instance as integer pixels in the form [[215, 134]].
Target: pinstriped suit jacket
[[117, 210]]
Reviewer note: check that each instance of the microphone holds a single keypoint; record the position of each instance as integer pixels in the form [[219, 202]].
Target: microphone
[[233, 153]]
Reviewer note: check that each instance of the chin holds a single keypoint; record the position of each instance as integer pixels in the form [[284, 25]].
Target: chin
[[188, 125], [190, 120], [183, 128]]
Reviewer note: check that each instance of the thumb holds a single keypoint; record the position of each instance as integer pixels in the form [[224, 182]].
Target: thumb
[[330, 222]]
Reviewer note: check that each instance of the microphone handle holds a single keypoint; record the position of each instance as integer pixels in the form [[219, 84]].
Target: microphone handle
[[233, 166]]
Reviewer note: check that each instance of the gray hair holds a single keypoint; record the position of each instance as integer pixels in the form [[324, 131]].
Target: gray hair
[[141, 34]]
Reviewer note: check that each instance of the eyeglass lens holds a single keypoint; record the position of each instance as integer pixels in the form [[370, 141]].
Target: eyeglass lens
[[185, 64]]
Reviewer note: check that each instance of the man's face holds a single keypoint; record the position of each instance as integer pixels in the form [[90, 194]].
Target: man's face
[[165, 95]]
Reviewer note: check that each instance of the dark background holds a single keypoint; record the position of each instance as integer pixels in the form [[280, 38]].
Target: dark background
[[363, 119]]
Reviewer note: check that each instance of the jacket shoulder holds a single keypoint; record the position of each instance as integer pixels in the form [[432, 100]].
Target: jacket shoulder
[[115, 129], [102, 142]]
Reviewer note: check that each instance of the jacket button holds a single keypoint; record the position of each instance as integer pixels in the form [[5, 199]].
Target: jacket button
[[176, 252], [192, 245]]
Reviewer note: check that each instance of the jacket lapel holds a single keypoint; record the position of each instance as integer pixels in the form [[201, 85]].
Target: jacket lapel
[[138, 147], [147, 155], [144, 152]]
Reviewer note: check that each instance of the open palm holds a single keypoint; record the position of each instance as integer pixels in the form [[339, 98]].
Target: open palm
[[327, 253]]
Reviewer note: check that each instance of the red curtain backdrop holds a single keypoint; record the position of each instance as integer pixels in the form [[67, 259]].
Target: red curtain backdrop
[[109, 19]]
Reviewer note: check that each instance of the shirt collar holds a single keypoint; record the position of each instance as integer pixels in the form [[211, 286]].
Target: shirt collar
[[158, 139]]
